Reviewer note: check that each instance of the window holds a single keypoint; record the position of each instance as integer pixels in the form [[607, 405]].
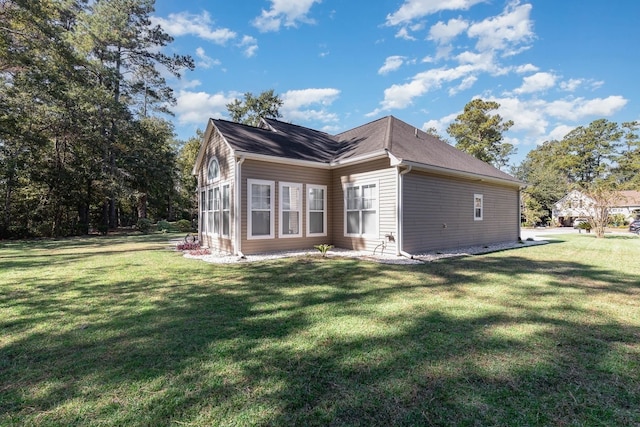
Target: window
[[361, 213], [316, 210], [290, 210], [213, 171], [226, 206], [260, 206], [210, 210], [216, 210], [477, 207], [203, 211]]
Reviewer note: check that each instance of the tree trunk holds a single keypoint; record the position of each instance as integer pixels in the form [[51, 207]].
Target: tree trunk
[[142, 205]]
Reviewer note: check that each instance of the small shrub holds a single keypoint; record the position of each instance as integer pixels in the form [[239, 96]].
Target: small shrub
[[143, 225], [188, 246], [585, 226], [323, 248], [184, 225], [163, 226], [103, 229]]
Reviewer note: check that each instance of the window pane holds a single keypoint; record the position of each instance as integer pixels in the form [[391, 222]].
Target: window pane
[[225, 197], [225, 223], [290, 223], [214, 170], [210, 217], [316, 222], [316, 199], [368, 196], [353, 222], [260, 222], [260, 196], [210, 199], [369, 222], [216, 199], [352, 198]]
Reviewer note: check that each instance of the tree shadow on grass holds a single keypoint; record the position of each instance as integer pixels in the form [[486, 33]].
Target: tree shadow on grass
[[475, 341]]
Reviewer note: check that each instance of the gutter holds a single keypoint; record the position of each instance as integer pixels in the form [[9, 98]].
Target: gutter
[[237, 207], [399, 211]]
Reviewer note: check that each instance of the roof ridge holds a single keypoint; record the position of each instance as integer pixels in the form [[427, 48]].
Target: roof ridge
[[388, 137]]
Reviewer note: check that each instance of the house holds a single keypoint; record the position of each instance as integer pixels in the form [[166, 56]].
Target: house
[[385, 185], [573, 205], [578, 205]]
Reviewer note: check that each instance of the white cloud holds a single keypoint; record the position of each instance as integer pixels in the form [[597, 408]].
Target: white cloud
[[250, 46], [403, 33], [198, 107], [571, 85], [443, 33], [560, 131], [392, 63], [536, 83], [579, 108], [284, 12], [526, 68], [506, 31], [415, 9], [466, 83], [441, 124], [184, 23], [205, 61], [297, 104]]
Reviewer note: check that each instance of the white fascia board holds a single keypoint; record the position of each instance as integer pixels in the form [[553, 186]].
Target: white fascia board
[[283, 160], [374, 155]]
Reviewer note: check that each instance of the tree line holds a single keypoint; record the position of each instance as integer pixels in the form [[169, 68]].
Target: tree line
[[83, 137]]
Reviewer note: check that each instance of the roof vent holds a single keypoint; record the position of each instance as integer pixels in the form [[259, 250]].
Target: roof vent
[[416, 132]]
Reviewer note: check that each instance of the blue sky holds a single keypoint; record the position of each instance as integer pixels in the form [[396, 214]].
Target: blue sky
[[338, 64]]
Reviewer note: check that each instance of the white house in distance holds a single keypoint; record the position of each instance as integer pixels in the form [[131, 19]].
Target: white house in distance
[[578, 205]]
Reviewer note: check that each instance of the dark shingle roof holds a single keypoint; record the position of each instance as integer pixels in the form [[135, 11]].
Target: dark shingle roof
[[407, 143]]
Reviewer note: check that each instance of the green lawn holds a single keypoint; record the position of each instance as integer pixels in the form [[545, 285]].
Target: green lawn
[[121, 331]]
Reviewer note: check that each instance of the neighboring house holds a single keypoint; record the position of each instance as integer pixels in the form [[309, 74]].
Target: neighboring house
[[578, 205], [572, 206], [628, 204], [384, 185]]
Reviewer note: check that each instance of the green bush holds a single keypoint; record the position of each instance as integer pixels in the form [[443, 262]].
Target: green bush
[[184, 225], [143, 225], [585, 225], [163, 225], [102, 229]]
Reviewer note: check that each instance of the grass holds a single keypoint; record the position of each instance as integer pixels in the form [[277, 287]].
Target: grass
[[120, 331]]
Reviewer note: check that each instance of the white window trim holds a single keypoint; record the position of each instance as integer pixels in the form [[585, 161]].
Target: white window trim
[[324, 210], [219, 213], [280, 209], [475, 217], [216, 178], [376, 207], [271, 184]]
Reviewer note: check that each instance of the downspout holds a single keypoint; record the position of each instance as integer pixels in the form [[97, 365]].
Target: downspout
[[399, 212], [238, 207]]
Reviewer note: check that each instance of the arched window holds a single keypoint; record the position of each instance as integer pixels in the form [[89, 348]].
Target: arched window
[[213, 171]]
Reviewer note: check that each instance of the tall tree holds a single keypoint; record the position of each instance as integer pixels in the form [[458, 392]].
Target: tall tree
[[627, 172], [546, 181], [479, 133], [589, 152], [126, 50], [252, 108]]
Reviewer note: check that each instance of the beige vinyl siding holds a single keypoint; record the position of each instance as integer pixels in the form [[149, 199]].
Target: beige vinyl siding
[[277, 172], [380, 172], [438, 213], [216, 147]]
